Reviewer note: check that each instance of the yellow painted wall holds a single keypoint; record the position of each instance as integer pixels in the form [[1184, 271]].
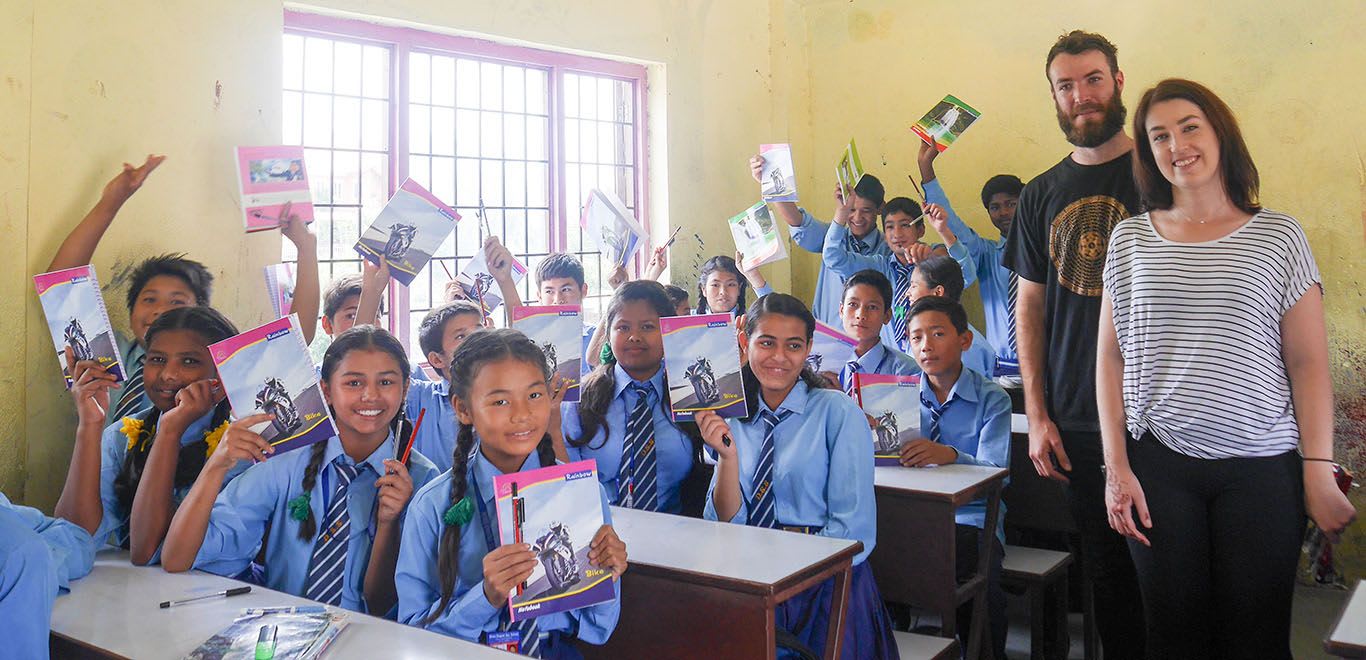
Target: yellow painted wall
[[87, 85]]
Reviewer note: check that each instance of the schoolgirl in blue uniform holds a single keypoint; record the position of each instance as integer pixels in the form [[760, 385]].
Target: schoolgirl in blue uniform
[[329, 514], [622, 419], [123, 484], [453, 577], [721, 287], [801, 461]]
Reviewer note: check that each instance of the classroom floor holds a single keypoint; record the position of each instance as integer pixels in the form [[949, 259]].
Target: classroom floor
[[1315, 610]]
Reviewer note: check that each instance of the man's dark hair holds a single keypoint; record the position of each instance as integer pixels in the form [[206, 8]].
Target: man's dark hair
[[560, 265], [193, 273], [1077, 42], [957, 315], [1001, 183]]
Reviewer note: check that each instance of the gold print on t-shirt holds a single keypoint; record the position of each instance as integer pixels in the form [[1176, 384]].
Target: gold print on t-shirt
[[1078, 239]]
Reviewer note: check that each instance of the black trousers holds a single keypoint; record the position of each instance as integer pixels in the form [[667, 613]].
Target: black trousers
[[968, 544], [1219, 578], [1105, 562]]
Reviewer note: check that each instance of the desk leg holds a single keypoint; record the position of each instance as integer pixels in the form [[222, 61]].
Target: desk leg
[[986, 547], [839, 604]]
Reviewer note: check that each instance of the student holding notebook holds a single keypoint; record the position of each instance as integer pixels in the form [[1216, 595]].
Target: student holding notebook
[[865, 311]]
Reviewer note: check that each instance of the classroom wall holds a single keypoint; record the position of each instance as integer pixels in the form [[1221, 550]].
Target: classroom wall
[[1287, 69], [89, 85]]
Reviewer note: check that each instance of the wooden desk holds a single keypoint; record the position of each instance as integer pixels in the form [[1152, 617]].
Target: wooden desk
[[1347, 638], [114, 613], [701, 589], [915, 554]]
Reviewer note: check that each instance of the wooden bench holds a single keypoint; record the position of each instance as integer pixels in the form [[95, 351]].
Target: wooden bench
[[911, 646], [1039, 572]]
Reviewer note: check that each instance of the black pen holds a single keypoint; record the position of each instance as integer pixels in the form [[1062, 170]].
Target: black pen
[[235, 591]]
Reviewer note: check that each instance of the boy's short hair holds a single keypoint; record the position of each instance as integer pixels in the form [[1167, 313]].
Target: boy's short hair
[[870, 188], [560, 264], [900, 205], [433, 326], [1001, 183], [951, 308], [871, 278], [943, 271], [337, 292], [193, 273], [677, 294]]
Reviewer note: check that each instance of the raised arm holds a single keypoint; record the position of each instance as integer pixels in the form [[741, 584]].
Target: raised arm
[[307, 288], [79, 247], [80, 500], [372, 283], [500, 260], [934, 194], [788, 211]]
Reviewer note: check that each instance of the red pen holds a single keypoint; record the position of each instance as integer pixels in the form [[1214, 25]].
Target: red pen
[[518, 515], [408, 449]]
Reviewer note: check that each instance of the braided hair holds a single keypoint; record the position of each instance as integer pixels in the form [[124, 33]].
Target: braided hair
[[360, 337], [210, 327], [480, 348]]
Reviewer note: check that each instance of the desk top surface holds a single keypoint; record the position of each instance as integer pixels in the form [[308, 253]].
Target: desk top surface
[[722, 550], [116, 608], [1349, 634], [943, 481]]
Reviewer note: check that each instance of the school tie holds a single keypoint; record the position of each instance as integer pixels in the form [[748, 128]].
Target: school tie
[[901, 283], [1012, 290], [935, 413], [637, 486], [850, 371], [856, 246], [763, 510], [529, 636], [328, 567], [132, 400]]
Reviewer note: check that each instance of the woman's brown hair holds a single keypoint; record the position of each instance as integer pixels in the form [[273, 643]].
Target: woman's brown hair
[[1239, 173]]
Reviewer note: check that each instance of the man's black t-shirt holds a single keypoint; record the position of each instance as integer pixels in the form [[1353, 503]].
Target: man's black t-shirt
[[1059, 239]]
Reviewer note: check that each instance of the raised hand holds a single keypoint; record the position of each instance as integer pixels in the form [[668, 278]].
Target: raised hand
[[192, 402], [240, 443], [89, 388], [756, 167], [295, 229], [128, 181], [715, 433]]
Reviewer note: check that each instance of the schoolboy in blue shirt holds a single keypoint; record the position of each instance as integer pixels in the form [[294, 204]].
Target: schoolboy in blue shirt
[[39, 556], [1000, 196], [865, 311], [903, 227], [942, 276], [965, 418], [441, 332], [809, 234]]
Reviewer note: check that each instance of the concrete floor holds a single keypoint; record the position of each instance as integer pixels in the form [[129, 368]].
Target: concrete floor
[[1315, 610]]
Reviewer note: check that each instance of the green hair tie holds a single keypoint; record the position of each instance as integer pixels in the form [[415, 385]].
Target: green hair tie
[[459, 513], [605, 356], [298, 508]]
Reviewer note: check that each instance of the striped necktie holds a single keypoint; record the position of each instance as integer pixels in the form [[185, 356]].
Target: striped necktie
[[850, 371], [763, 511], [132, 399], [328, 567], [637, 486], [1012, 290], [935, 413], [901, 284], [529, 636], [856, 246]]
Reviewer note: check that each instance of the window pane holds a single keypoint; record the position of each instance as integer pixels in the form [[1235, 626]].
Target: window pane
[[571, 96], [375, 83], [466, 182], [514, 136], [514, 175], [443, 131], [491, 183], [292, 57], [347, 68], [346, 177], [466, 132], [419, 129], [293, 108], [490, 135], [467, 83], [374, 122], [536, 91], [319, 163], [538, 185], [514, 89], [443, 81], [537, 138], [490, 86], [419, 78], [346, 127], [317, 65], [317, 120], [443, 179], [420, 170]]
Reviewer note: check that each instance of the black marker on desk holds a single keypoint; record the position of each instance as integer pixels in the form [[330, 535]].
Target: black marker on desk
[[235, 591]]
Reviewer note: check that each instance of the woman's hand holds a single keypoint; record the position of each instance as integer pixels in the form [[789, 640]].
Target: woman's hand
[[504, 568], [608, 551], [1325, 502], [716, 433], [395, 489], [240, 443], [1123, 496]]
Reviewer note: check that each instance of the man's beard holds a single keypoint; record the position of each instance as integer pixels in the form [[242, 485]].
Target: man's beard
[[1093, 134]]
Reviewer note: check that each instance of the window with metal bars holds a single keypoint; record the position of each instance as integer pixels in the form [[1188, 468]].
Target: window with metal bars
[[523, 134]]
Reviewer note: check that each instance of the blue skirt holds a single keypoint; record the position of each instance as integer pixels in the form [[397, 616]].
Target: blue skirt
[[867, 627]]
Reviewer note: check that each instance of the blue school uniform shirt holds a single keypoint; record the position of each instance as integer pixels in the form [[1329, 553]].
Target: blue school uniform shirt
[[993, 278], [980, 356], [811, 236], [260, 497], [418, 373], [976, 422], [113, 527], [436, 438], [38, 557], [822, 466], [469, 613], [881, 359], [673, 449], [131, 351], [846, 263]]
